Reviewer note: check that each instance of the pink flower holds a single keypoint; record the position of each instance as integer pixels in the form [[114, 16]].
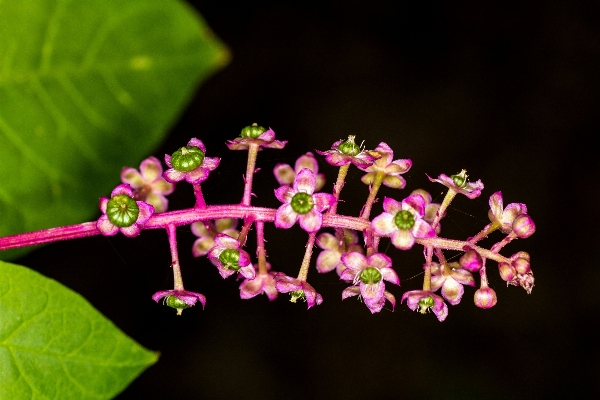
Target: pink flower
[[403, 222], [424, 301], [391, 169], [344, 152], [300, 204], [298, 289], [148, 183], [263, 283], [285, 175], [206, 238], [369, 274], [190, 163], [330, 258], [451, 279], [256, 135], [179, 299], [460, 184], [504, 217], [123, 213], [228, 257]]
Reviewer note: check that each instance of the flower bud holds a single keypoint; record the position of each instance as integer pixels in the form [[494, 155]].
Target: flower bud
[[471, 261], [523, 226], [522, 265], [485, 298], [507, 272]]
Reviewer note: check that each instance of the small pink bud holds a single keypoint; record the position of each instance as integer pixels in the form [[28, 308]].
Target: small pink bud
[[507, 272], [522, 265], [523, 226], [471, 261], [485, 298]]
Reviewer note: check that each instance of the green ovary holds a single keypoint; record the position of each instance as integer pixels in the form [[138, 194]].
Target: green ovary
[[176, 302], [187, 158], [425, 304], [253, 131], [404, 220], [230, 259], [370, 275], [122, 211], [349, 147], [302, 203]]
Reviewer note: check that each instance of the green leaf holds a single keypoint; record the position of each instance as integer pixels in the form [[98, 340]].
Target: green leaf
[[86, 88], [55, 345]]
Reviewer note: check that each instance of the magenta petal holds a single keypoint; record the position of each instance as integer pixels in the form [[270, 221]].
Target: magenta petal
[[305, 182], [390, 275], [198, 143], [311, 221], [496, 205], [394, 182], [106, 227], [372, 292], [404, 164], [383, 224], [323, 201], [390, 298], [402, 239], [123, 188], [248, 272], [244, 259], [268, 135], [354, 261], [337, 159], [151, 169], [327, 260], [285, 284], [227, 241], [379, 261], [146, 211], [132, 177], [103, 203], [416, 202], [307, 160], [348, 275], [284, 174], [285, 216], [284, 194], [131, 231], [437, 281], [172, 175], [198, 175], [452, 291], [391, 206], [422, 229], [350, 291]]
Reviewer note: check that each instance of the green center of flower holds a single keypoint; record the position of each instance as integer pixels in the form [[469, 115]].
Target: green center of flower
[[460, 179], [253, 131], [297, 295], [349, 147], [122, 210], [302, 203], [370, 275], [187, 158], [230, 258], [176, 302], [404, 220], [425, 304]]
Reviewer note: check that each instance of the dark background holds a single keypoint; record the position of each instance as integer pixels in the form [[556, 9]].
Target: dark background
[[508, 92]]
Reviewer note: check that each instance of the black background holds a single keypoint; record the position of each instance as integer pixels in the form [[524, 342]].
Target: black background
[[507, 92]]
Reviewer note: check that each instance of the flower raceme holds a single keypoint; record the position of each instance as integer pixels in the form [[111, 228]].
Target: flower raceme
[[141, 203]]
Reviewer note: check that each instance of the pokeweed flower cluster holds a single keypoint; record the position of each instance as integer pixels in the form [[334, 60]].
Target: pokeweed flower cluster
[[407, 220]]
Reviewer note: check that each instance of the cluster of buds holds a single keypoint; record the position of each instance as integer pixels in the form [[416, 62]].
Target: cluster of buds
[[140, 203]]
